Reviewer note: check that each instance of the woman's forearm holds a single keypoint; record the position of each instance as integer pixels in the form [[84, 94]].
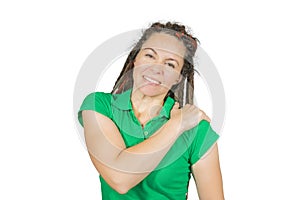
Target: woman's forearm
[[124, 167], [152, 149]]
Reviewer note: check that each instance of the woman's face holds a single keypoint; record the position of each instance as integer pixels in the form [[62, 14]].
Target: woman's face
[[158, 64]]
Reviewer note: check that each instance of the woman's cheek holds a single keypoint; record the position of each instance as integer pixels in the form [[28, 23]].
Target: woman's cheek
[[170, 80], [141, 64]]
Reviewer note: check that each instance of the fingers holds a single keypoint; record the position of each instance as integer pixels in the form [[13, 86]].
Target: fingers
[[193, 110], [176, 105], [202, 115], [206, 118]]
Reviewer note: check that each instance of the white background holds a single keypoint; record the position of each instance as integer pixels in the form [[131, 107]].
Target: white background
[[254, 45]]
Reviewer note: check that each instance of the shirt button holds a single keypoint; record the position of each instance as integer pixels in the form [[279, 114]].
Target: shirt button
[[146, 133]]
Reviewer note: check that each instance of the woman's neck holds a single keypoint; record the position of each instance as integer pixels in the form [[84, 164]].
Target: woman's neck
[[146, 107]]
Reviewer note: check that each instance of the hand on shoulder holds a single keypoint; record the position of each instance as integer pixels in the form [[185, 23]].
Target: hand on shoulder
[[188, 116]]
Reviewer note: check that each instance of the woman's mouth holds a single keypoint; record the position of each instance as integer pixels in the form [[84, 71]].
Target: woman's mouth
[[151, 80]]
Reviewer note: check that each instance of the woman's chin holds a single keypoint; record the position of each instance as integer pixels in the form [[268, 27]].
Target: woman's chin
[[151, 91]]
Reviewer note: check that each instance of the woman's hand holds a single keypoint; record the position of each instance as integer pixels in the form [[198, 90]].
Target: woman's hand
[[188, 116]]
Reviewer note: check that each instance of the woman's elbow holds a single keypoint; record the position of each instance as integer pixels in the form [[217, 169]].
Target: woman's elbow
[[120, 186], [121, 190]]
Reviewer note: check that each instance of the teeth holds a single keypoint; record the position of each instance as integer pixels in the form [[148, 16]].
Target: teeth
[[151, 80]]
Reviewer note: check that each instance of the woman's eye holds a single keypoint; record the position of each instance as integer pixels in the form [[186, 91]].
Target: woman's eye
[[149, 55], [171, 65]]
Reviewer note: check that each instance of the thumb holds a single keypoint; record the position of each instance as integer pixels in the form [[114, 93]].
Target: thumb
[[176, 105]]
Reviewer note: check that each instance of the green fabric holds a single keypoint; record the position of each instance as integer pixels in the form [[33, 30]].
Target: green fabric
[[171, 177]]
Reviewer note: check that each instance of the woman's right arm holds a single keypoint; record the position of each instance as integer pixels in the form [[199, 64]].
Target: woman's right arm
[[121, 167]]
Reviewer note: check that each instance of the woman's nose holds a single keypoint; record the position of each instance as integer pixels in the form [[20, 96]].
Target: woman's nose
[[157, 68]]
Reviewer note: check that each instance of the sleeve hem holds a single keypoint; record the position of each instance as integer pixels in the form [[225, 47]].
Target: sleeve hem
[[205, 148]]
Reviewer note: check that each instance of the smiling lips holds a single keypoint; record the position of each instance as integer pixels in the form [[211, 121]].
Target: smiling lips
[[151, 80]]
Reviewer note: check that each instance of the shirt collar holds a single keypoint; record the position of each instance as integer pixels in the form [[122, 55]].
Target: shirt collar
[[123, 102]]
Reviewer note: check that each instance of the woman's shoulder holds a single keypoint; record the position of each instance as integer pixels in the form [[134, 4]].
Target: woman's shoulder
[[96, 101], [97, 98], [99, 94]]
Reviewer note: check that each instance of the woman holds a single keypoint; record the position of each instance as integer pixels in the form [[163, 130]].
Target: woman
[[145, 138]]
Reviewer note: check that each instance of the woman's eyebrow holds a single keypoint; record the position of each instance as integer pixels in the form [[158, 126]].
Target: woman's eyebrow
[[172, 59], [148, 48]]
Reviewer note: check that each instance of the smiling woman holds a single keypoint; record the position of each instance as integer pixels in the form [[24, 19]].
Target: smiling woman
[[158, 65], [146, 137]]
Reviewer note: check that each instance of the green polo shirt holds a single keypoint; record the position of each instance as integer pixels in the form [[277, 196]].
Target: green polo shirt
[[171, 177]]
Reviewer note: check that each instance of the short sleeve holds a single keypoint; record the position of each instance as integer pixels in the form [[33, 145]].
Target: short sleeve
[[97, 101], [204, 139]]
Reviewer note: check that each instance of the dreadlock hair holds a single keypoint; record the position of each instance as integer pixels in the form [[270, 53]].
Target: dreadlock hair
[[125, 79]]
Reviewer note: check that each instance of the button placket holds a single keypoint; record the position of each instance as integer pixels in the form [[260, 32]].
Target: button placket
[[146, 133], [146, 130]]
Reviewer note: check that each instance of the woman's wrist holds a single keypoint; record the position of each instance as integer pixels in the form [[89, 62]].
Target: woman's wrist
[[177, 125]]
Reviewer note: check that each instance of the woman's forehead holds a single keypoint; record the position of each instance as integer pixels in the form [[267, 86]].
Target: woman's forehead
[[165, 42]]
